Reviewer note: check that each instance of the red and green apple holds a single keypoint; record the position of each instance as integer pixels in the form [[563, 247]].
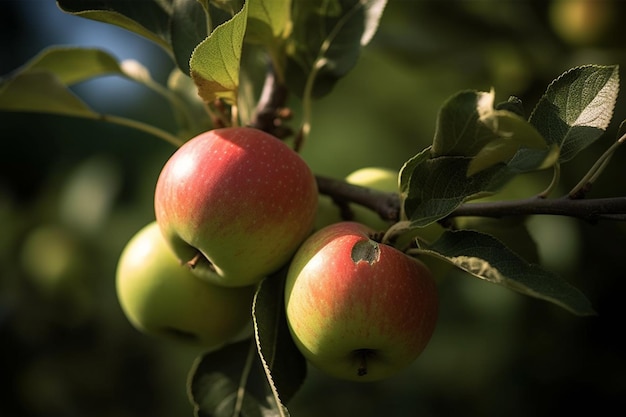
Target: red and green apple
[[235, 204], [358, 309]]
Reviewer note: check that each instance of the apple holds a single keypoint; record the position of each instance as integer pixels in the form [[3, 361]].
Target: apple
[[358, 309], [161, 297], [377, 178], [583, 22], [235, 204]]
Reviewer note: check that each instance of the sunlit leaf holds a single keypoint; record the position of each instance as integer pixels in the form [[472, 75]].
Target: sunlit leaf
[[215, 62], [577, 108], [487, 258], [146, 18]]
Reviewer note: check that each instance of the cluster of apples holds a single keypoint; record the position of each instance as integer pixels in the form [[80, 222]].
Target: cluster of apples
[[235, 205]]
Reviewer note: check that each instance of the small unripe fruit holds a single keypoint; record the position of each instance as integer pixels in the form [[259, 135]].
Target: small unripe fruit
[[161, 297]]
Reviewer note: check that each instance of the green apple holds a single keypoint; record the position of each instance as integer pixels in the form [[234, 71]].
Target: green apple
[[377, 178], [54, 258], [235, 204], [381, 179], [358, 309], [159, 296], [583, 22]]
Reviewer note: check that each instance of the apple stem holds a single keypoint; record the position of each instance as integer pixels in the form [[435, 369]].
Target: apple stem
[[362, 355], [193, 262]]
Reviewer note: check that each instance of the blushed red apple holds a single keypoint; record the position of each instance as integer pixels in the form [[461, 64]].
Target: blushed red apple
[[235, 204], [358, 309]]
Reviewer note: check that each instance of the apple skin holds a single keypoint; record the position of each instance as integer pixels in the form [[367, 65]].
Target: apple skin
[[377, 178], [353, 319], [241, 198], [161, 297]]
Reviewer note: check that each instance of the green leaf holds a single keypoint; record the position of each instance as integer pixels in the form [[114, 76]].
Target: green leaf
[[487, 258], [511, 231], [215, 61], [148, 18], [621, 131], [42, 92], [437, 186], [511, 133], [228, 380], [458, 129], [189, 28], [468, 124], [404, 178], [269, 21], [72, 65], [284, 365], [577, 108], [327, 39]]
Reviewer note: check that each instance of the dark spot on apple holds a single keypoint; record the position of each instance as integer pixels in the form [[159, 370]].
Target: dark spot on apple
[[365, 251]]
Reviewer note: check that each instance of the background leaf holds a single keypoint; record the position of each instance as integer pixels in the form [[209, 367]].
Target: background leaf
[[283, 363], [268, 21], [327, 39], [219, 379], [148, 18], [576, 108], [42, 92], [214, 64], [487, 258], [72, 65], [188, 29]]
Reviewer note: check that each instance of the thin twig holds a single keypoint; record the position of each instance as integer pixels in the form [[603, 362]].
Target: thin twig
[[269, 113], [584, 185]]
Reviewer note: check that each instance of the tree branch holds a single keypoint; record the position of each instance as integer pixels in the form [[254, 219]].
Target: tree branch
[[387, 205], [590, 210], [270, 112]]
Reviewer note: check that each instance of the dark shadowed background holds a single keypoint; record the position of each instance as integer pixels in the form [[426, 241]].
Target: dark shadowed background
[[73, 192]]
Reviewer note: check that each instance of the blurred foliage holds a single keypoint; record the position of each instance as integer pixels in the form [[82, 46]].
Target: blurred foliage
[[73, 192]]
